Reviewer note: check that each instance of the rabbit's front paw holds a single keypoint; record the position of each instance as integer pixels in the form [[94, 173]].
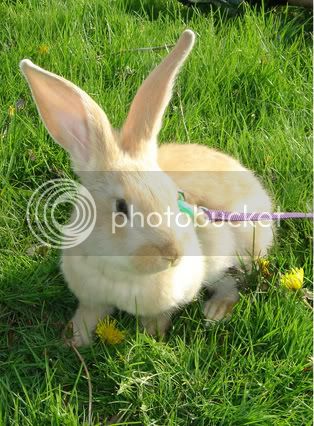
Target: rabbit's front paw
[[216, 309], [80, 328], [222, 301], [157, 326], [73, 335], [78, 341]]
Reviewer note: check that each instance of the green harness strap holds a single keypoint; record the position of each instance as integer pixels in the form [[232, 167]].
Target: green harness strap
[[184, 207]]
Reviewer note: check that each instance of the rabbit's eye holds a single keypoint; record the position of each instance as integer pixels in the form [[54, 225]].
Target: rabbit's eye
[[122, 207]]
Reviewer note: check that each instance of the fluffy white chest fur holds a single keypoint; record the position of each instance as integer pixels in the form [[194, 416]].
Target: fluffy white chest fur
[[97, 281]]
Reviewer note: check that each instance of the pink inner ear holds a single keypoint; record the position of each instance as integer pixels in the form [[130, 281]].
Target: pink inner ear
[[71, 117], [73, 134], [61, 108]]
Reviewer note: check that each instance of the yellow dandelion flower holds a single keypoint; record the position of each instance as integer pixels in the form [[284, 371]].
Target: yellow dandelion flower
[[43, 49], [293, 279], [263, 265], [11, 111], [107, 331]]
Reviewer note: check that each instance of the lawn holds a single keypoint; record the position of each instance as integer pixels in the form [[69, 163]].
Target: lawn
[[245, 89]]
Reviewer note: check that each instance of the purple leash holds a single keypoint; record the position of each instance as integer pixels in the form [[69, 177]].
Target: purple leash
[[220, 215]]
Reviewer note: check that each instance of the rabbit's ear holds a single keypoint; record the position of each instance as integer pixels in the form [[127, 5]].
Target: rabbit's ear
[[139, 133], [71, 117]]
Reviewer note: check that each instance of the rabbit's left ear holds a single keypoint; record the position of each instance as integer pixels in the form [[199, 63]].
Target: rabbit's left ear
[[140, 131], [71, 117]]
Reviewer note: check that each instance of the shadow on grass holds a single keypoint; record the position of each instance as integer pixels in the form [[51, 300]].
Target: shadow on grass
[[294, 22]]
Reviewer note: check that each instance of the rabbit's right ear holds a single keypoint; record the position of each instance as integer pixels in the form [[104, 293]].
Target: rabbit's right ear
[[71, 117], [141, 128]]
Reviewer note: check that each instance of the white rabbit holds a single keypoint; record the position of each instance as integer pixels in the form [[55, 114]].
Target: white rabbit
[[148, 271]]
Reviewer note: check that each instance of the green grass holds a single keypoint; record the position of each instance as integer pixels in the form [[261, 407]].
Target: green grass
[[246, 89]]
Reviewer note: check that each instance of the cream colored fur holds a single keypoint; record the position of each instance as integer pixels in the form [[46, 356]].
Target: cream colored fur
[[151, 272]]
